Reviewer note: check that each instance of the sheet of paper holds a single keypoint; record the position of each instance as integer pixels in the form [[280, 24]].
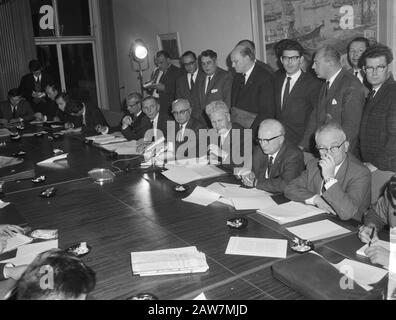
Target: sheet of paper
[[183, 175], [362, 273], [9, 161], [202, 196], [123, 148], [379, 243], [16, 241], [201, 297], [3, 204], [4, 132], [318, 230], [259, 247], [188, 162], [53, 159], [27, 135], [27, 253], [252, 203], [289, 212]]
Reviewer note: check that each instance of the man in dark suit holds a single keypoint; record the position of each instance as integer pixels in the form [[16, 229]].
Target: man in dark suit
[[135, 123], [378, 128], [15, 109], [250, 44], [166, 86], [296, 92], [355, 50], [33, 85], [275, 162], [187, 128], [341, 99], [186, 85], [338, 183], [216, 85], [253, 94], [233, 147]]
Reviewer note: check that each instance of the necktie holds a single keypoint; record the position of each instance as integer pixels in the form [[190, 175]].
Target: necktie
[[270, 163], [154, 131], [287, 91], [13, 112], [208, 83], [323, 189], [356, 73], [371, 95], [37, 86], [191, 82], [180, 133], [327, 88], [244, 78]]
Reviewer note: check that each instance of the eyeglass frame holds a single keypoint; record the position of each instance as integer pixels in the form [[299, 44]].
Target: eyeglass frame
[[181, 112], [332, 149], [268, 140], [290, 59], [378, 69]]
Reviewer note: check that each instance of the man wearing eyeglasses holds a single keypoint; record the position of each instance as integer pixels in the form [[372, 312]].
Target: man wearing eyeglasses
[[186, 84], [296, 92], [337, 183], [276, 162], [341, 99], [378, 129], [187, 128], [135, 123]]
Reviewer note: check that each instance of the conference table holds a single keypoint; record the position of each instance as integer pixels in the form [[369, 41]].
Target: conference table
[[140, 211]]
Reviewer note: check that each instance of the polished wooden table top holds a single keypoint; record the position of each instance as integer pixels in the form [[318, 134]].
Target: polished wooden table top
[[139, 211]]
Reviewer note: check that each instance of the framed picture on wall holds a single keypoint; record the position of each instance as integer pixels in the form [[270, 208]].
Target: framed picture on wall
[[170, 42], [315, 23]]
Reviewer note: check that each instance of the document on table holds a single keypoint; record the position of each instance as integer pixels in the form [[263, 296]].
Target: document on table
[[53, 159], [318, 230], [259, 247], [4, 132], [201, 297], [27, 253], [365, 275], [168, 261], [253, 203], [123, 148], [27, 135], [290, 212], [378, 243], [202, 196], [16, 241], [3, 204], [183, 175], [106, 139], [188, 162]]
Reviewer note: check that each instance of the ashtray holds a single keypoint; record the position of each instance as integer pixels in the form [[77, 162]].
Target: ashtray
[[44, 234], [19, 154], [48, 193], [237, 223], [301, 246], [143, 296], [80, 249], [39, 179], [181, 188], [101, 176]]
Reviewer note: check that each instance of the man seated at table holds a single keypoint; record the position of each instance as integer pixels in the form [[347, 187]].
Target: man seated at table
[[135, 123], [275, 161], [375, 219], [81, 115], [230, 137], [338, 183], [55, 275], [186, 129], [8, 270], [15, 109], [50, 110]]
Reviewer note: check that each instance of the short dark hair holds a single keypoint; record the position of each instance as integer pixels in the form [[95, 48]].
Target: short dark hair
[[293, 45], [378, 50], [53, 86], [278, 47], [391, 191], [15, 92], [163, 53], [71, 277], [34, 65], [189, 53], [209, 53], [359, 39]]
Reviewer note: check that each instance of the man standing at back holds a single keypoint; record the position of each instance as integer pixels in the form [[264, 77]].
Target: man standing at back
[[186, 85], [216, 85], [296, 91], [253, 94], [341, 99]]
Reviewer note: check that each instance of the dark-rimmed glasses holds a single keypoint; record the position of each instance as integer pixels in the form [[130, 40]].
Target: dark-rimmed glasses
[[331, 149], [267, 140]]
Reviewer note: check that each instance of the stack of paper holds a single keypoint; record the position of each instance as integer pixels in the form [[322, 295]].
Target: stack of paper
[[289, 212], [183, 175], [4, 132], [318, 230], [26, 254], [16, 241], [378, 243], [106, 139], [257, 247], [123, 148], [202, 196], [242, 198], [168, 261]]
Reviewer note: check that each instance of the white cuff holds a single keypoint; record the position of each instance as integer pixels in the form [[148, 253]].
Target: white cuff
[[329, 183], [310, 201]]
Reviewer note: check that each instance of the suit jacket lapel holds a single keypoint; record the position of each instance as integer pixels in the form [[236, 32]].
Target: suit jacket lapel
[[276, 163], [340, 176]]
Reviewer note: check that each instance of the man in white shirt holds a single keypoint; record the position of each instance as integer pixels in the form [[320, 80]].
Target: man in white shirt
[[338, 183], [355, 50]]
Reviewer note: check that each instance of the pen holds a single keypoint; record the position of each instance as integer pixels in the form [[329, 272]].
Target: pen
[[371, 236]]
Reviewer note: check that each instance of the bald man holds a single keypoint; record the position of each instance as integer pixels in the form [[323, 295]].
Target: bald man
[[275, 161], [337, 183]]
